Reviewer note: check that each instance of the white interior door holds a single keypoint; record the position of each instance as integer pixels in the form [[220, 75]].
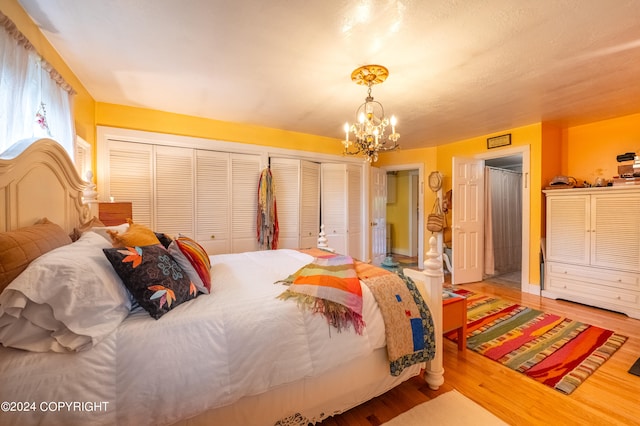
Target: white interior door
[[468, 220], [378, 215]]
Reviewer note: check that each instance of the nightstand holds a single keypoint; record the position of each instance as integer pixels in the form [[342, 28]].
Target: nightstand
[[454, 317], [114, 213]]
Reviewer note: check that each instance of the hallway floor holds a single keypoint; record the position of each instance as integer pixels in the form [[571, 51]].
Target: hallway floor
[[509, 279]]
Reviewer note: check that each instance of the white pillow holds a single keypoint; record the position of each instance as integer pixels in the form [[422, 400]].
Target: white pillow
[[102, 230], [67, 300]]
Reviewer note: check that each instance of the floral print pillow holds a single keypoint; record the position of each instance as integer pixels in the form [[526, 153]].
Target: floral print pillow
[[152, 276]]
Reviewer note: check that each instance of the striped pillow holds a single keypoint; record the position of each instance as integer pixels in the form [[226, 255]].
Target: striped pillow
[[198, 257]]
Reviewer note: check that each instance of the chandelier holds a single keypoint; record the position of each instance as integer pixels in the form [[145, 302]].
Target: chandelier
[[369, 130]]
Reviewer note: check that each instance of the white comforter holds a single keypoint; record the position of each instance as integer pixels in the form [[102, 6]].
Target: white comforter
[[239, 340]]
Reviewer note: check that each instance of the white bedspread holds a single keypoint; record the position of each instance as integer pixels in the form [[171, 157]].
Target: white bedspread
[[239, 340]]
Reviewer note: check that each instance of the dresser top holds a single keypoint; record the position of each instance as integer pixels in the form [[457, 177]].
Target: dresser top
[[594, 190]]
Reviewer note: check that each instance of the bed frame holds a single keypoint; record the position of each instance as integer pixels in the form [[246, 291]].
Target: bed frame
[[38, 179]]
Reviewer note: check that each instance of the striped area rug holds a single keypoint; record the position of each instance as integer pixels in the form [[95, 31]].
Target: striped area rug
[[556, 351]]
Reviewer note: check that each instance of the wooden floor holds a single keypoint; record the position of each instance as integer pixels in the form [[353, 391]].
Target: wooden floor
[[610, 396]]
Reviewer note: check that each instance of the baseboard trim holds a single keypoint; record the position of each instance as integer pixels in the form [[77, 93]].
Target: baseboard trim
[[401, 251]]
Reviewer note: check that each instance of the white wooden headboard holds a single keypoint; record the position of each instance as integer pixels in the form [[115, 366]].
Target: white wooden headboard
[[40, 181]]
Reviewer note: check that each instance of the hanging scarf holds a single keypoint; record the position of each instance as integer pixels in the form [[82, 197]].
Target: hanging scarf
[[267, 221]]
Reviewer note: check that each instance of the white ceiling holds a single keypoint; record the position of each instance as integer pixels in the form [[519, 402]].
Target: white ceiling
[[457, 68]]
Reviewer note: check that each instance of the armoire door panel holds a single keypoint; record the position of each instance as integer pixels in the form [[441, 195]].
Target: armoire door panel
[[615, 218], [569, 229]]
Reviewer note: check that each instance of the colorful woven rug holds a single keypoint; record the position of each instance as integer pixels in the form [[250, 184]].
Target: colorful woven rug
[[556, 351]]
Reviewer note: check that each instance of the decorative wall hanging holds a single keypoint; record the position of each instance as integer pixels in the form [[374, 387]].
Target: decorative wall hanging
[[267, 222], [498, 141]]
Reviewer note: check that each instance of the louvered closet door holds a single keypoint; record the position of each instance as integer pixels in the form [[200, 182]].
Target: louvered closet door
[[615, 231], [310, 203], [355, 200], [568, 229], [334, 205], [174, 191], [286, 176], [212, 201], [245, 174], [131, 178]]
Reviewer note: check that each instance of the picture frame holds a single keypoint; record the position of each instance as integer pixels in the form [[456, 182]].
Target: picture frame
[[498, 141]]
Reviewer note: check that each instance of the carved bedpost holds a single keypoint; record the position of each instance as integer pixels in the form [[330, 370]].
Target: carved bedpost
[[322, 239], [434, 374], [90, 196]]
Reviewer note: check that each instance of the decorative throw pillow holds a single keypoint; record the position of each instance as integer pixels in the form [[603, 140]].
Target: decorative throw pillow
[[185, 264], [135, 235], [164, 239], [18, 248], [197, 257], [153, 277]]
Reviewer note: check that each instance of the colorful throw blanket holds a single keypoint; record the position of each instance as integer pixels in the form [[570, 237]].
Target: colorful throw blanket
[[329, 286], [409, 328]]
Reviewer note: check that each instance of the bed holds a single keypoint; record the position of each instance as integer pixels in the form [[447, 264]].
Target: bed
[[239, 355]]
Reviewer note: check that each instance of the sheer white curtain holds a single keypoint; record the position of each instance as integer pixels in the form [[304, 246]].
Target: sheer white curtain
[[29, 86], [15, 102], [503, 221]]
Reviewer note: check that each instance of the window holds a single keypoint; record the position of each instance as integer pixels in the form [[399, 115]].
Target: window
[[34, 99]]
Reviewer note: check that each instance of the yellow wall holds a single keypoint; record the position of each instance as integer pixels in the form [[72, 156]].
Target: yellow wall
[[398, 214], [553, 163], [165, 122], [592, 148], [84, 105]]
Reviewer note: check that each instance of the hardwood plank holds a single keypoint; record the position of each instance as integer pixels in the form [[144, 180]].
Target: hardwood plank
[[609, 396]]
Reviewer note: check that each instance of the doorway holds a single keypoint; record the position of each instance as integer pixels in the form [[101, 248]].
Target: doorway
[[468, 236], [503, 221], [404, 215]]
